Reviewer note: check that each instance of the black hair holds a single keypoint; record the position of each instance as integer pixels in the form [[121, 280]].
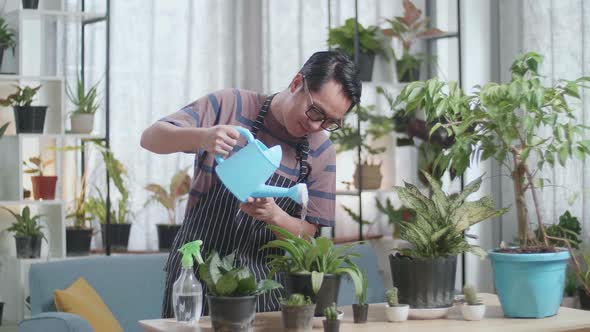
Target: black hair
[[322, 67]]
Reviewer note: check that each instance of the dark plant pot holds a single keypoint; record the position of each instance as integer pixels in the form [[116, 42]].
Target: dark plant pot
[[29, 119], [233, 314], [360, 313], [44, 187], [298, 317], [424, 283], [78, 241], [584, 299], [119, 235], [331, 325], [30, 4], [1, 311], [366, 62], [328, 293], [409, 75], [166, 235], [1, 57], [28, 246]]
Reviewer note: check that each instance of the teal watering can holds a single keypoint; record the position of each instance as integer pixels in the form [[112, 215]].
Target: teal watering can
[[246, 171]]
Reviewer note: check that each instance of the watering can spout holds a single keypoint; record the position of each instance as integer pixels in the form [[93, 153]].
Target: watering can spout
[[298, 193]]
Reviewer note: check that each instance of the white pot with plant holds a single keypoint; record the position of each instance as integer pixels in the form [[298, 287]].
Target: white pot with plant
[[395, 311], [472, 307], [86, 104]]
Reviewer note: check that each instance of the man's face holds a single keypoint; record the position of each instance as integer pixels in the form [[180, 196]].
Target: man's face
[[316, 111]]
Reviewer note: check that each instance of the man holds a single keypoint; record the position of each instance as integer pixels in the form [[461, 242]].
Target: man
[[317, 99]]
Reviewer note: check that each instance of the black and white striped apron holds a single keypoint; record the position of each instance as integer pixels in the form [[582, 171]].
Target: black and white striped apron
[[217, 220]]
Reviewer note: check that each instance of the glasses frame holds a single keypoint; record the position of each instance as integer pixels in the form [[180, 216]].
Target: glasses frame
[[323, 118]]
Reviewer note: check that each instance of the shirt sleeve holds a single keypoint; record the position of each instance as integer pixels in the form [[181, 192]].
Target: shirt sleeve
[[202, 113], [322, 186]]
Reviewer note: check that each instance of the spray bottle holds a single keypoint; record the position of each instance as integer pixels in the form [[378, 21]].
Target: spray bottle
[[187, 292]]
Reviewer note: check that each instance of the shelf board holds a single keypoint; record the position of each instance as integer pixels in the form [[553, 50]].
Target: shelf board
[[17, 78], [83, 136], [445, 35], [31, 202], [385, 84], [355, 192], [56, 14]]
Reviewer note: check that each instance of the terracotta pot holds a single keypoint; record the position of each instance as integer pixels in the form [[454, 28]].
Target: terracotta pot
[[44, 187], [370, 175]]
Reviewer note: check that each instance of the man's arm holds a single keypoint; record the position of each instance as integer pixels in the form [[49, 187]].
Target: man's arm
[[267, 210], [296, 226]]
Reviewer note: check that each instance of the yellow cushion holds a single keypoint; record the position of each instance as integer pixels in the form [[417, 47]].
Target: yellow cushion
[[81, 299]]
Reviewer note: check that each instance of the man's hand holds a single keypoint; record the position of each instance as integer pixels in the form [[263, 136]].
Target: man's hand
[[264, 209], [220, 139]]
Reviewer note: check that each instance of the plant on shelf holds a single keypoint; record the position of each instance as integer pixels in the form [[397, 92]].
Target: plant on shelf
[[7, 38], [313, 267], [437, 237], [43, 185], [331, 322], [232, 291], [360, 310], [408, 29], [79, 235], [28, 119], [472, 308], [86, 104], [395, 215], [370, 44], [395, 311], [504, 122], [27, 233], [297, 312]]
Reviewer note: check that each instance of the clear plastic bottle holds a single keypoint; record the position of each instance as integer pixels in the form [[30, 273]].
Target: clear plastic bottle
[[187, 292]]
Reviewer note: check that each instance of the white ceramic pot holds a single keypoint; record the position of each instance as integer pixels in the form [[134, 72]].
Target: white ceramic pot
[[82, 123], [473, 312], [398, 313]]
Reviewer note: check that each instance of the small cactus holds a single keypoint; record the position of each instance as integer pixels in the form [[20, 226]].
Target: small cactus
[[331, 312], [391, 296], [470, 295]]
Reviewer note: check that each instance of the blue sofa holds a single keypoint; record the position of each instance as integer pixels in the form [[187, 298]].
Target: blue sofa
[[131, 286]]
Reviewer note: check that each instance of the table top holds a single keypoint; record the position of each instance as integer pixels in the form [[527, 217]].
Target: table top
[[567, 319]]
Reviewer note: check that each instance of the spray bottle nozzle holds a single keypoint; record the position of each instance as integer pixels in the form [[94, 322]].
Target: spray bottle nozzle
[[189, 250]]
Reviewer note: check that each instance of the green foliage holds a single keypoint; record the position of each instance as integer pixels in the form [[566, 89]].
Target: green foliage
[[584, 276], [441, 220], [331, 312], [470, 295], [297, 299], [570, 284], [7, 36], [567, 228], [348, 137], [26, 225], [179, 186], [81, 208], [391, 297], [22, 96], [362, 295], [85, 102], [313, 256], [224, 279], [411, 26], [36, 165], [342, 38]]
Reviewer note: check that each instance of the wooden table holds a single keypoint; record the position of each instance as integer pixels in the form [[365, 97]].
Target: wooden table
[[566, 320]]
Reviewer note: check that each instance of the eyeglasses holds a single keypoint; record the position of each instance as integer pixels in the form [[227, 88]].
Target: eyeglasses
[[316, 115]]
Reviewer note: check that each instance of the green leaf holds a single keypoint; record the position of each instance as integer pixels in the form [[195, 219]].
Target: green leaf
[[317, 278], [563, 154], [266, 285], [227, 284], [247, 286]]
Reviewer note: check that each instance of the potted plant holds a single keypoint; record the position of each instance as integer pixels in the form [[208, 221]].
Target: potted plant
[[570, 300], [28, 119], [30, 4], [425, 274], [179, 186], [360, 310], [502, 121], [232, 292], [79, 235], [408, 29], [583, 276], [472, 308], [7, 39], [313, 267], [86, 104], [395, 311], [331, 323], [297, 312], [370, 44], [43, 185], [27, 233]]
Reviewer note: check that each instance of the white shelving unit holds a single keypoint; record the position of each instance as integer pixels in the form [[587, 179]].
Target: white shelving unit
[[39, 36]]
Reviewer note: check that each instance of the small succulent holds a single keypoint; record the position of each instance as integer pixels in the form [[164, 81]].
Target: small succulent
[[470, 295], [391, 297], [331, 312], [297, 299]]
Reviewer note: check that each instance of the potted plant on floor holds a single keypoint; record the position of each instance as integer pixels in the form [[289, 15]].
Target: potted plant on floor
[[370, 44], [313, 267], [7, 39], [232, 292], [331, 322], [28, 119], [472, 307], [27, 233], [425, 274], [43, 185], [297, 312], [360, 310], [395, 311], [503, 121], [86, 104], [178, 188], [408, 29], [79, 235]]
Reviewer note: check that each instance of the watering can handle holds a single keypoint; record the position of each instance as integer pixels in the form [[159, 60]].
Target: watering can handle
[[244, 132]]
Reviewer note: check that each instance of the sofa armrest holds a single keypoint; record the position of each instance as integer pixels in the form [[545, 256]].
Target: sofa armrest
[[54, 321]]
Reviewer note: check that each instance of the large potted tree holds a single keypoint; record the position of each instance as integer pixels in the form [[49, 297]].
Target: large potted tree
[[86, 104], [43, 185], [7, 39], [503, 121], [178, 188], [313, 267], [28, 119], [425, 273], [27, 233]]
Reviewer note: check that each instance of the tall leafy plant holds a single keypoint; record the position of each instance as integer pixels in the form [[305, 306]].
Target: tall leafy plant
[[179, 186], [26, 224], [7, 36]]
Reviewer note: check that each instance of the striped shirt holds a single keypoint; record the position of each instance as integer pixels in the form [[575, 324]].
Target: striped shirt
[[240, 107]]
